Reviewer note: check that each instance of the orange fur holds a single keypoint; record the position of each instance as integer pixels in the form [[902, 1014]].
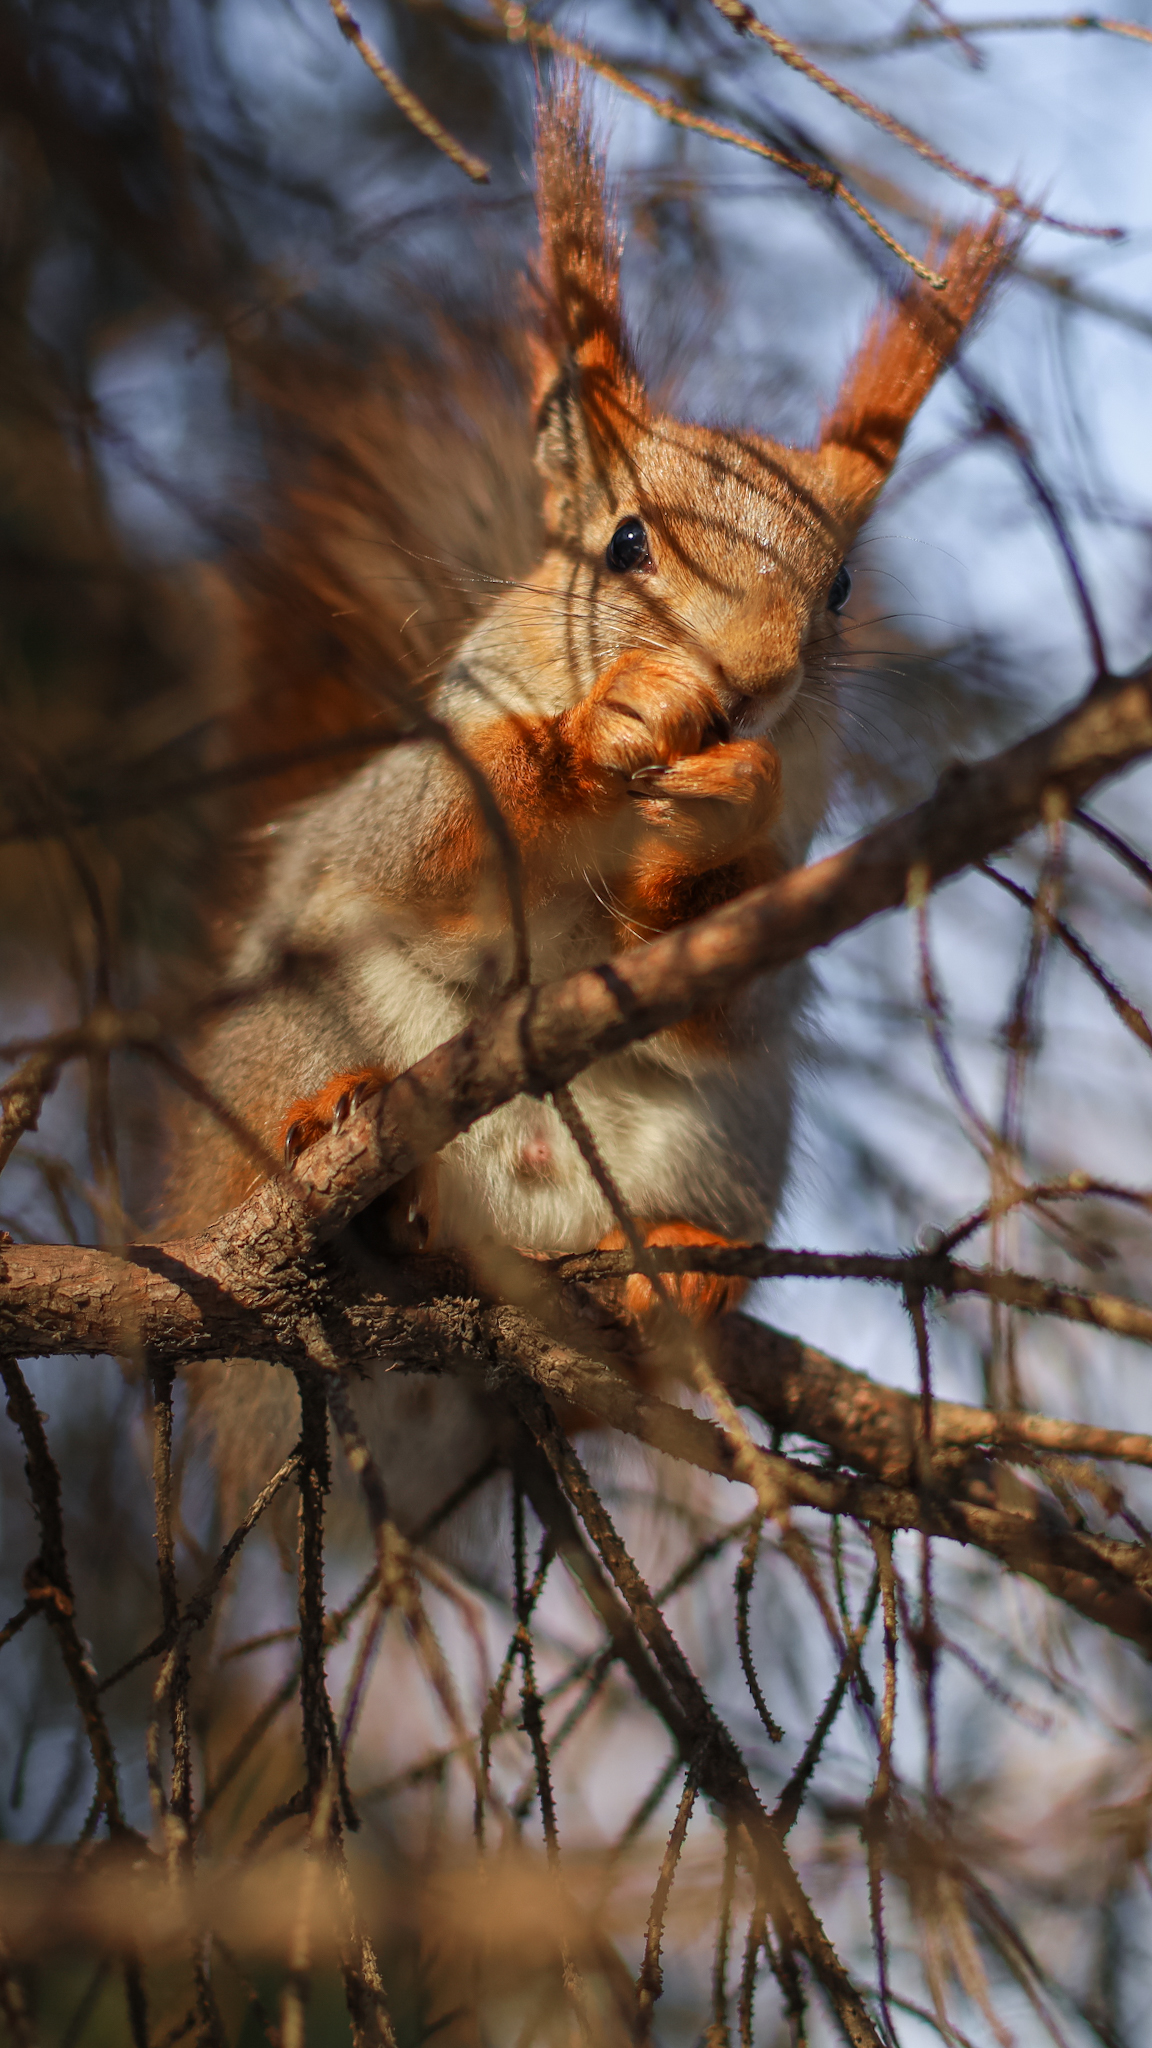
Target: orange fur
[[588, 767], [699, 1296], [582, 332], [662, 892], [903, 353], [311, 1116]]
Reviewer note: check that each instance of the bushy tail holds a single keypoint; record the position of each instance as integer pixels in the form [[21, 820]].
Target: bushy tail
[[408, 498]]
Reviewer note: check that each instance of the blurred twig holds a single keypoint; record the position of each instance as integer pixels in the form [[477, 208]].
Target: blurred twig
[[49, 1586], [916, 33]]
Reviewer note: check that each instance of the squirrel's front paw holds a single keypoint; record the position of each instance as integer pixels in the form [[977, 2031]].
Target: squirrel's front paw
[[313, 1116], [645, 712], [706, 802]]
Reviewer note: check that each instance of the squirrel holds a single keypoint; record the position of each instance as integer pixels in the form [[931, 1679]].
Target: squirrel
[[635, 705]]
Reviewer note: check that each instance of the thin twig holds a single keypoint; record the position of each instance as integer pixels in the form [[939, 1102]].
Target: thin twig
[[685, 1342], [414, 109], [1132, 1019], [757, 1934], [745, 1572], [818, 177], [196, 1613], [492, 1720], [19, 1620], [936, 1014], [397, 1577], [1003, 196], [315, 1479], [1113, 840], [877, 1814], [997, 421], [650, 1982], [532, 1712], [723, 1771], [915, 34], [717, 2035], [48, 1583], [791, 1798], [49, 1586]]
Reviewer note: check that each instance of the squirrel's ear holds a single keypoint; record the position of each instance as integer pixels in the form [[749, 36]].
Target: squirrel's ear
[[589, 399], [903, 353]]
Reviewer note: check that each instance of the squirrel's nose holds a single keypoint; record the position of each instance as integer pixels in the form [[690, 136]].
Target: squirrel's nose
[[756, 710]]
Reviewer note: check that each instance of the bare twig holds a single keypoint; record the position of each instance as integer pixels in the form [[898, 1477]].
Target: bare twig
[[48, 1584], [791, 1798], [414, 109], [1132, 1018], [1113, 840], [1009, 201], [531, 1709], [650, 1982], [718, 2035], [723, 1774], [915, 33], [877, 1816], [744, 1576], [22, 1098], [818, 177]]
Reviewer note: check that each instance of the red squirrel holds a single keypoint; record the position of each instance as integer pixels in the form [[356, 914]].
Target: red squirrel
[[636, 705]]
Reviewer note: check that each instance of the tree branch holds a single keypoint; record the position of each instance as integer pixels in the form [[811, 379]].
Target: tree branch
[[539, 1038]]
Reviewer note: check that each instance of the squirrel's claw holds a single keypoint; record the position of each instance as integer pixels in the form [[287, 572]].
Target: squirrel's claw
[[325, 1114]]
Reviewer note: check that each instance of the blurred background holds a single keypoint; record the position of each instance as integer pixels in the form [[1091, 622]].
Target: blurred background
[[261, 423]]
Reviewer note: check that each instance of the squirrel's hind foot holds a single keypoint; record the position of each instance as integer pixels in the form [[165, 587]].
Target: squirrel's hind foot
[[699, 1296]]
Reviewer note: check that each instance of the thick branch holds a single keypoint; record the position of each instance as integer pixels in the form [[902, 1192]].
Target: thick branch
[[539, 1038], [432, 1320]]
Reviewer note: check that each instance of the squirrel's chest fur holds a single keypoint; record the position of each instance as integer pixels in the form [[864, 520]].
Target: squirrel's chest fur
[[361, 971]]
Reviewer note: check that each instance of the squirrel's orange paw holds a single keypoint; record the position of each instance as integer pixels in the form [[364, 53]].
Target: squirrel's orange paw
[[313, 1116], [645, 711], [699, 1296], [705, 804]]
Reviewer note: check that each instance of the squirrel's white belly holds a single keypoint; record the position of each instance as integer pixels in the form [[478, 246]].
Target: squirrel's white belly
[[685, 1137]]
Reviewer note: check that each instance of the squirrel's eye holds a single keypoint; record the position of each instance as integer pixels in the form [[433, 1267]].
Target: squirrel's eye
[[628, 547], [841, 590]]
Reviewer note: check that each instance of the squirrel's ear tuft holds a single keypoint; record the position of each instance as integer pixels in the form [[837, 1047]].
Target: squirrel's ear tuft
[[587, 391], [903, 353]]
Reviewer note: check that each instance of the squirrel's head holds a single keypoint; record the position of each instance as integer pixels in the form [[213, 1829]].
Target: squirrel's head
[[728, 544]]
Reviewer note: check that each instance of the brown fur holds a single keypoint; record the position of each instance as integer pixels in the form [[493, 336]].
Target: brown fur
[[373, 569]]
